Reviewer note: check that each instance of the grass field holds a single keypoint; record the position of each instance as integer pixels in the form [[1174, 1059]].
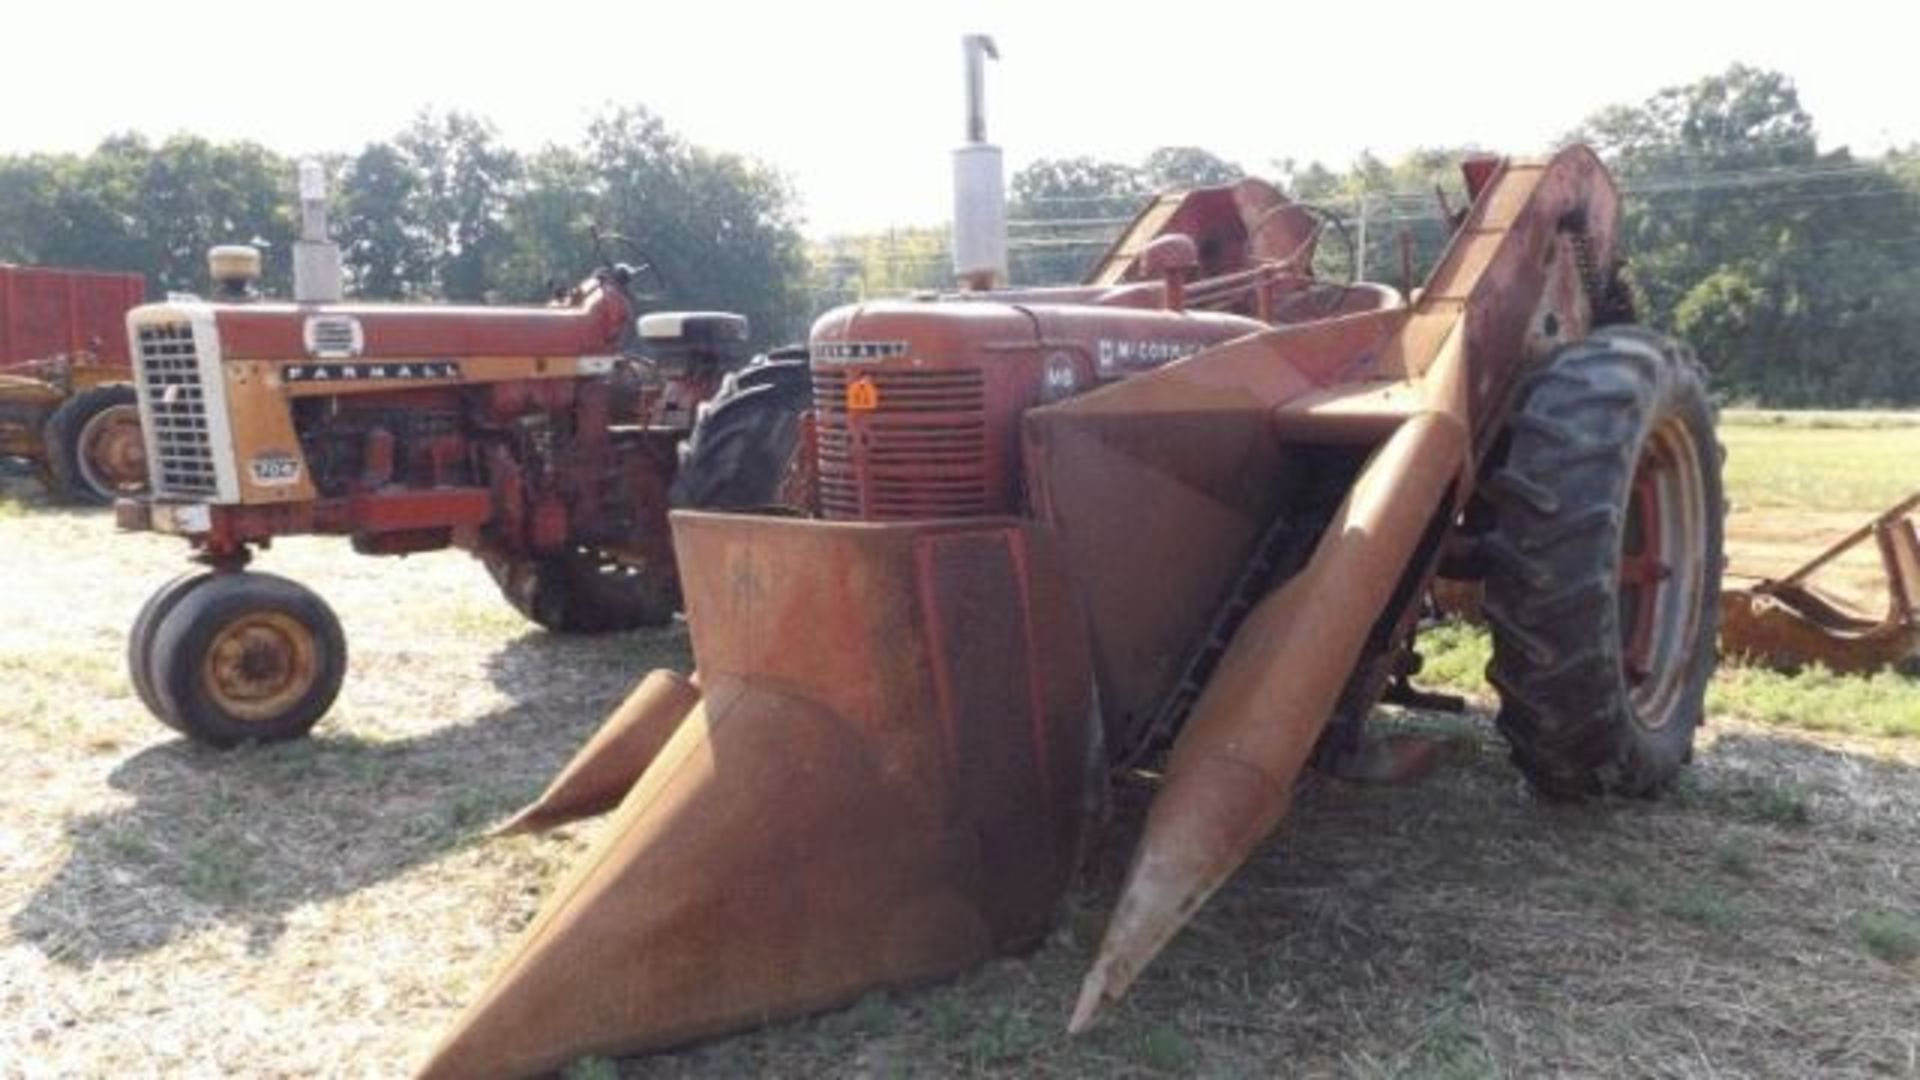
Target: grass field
[[324, 908]]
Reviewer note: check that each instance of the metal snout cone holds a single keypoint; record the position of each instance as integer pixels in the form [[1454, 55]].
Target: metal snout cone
[[1184, 855], [1231, 775], [763, 868], [600, 774]]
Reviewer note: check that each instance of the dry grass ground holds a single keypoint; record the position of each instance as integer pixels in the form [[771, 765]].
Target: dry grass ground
[[324, 908]]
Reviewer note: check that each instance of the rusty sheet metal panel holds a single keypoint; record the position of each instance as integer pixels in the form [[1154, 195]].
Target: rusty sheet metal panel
[[1160, 486], [1233, 225], [45, 311], [1157, 512], [1507, 292], [1231, 776], [1790, 627], [884, 782], [1788, 624], [1519, 271]]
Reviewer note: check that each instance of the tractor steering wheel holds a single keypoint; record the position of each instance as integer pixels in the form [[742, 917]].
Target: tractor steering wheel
[[627, 274]]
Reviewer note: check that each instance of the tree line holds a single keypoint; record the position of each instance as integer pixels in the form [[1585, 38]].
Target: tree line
[[441, 211], [1795, 272]]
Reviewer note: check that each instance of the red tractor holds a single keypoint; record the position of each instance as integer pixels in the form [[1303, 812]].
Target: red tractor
[[544, 440], [1182, 517]]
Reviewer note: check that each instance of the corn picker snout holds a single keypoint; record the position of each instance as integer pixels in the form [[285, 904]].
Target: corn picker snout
[[1181, 516]]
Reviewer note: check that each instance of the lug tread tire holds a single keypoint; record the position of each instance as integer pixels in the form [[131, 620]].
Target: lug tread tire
[[1552, 594], [746, 436], [585, 592]]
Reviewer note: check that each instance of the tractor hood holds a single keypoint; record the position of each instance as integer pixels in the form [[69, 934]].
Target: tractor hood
[[1102, 341], [919, 404], [279, 331]]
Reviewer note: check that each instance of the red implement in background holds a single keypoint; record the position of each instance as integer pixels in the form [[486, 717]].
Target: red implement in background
[[1786, 623], [66, 390], [45, 311]]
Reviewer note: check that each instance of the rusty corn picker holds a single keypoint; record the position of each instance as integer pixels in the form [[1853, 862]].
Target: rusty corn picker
[[1181, 515]]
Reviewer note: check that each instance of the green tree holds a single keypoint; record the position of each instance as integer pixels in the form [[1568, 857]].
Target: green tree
[[130, 205], [195, 194], [719, 227], [1172, 167], [1790, 269], [1063, 212], [550, 225], [464, 181], [385, 256]]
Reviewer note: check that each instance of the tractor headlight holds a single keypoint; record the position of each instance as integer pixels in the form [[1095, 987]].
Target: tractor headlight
[[1059, 379]]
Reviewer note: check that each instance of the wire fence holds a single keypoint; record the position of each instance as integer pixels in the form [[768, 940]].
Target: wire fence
[[902, 260]]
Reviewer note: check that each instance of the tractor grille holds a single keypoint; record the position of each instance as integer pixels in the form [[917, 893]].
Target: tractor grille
[[173, 407], [921, 452]]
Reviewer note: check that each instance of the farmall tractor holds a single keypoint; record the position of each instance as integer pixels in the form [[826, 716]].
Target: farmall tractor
[[544, 440], [1180, 519]]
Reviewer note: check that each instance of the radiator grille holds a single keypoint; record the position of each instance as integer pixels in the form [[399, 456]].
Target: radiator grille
[[174, 410], [920, 453]]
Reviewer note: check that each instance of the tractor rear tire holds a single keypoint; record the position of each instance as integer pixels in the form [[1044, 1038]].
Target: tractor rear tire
[[95, 450], [1605, 566], [745, 438], [245, 657], [586, 591]]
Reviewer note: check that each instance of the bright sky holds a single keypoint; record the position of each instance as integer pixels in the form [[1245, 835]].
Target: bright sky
[[860, 103]]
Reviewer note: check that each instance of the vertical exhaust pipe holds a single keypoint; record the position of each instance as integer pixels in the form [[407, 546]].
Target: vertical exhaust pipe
[[316, 258], [979, 185]]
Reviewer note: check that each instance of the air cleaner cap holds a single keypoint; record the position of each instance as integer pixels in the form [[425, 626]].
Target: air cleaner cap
[[235, 268]]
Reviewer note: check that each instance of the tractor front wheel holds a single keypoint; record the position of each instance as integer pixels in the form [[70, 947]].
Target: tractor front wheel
[[241, 657], [140, 639], [1605, 566], [95, 449]]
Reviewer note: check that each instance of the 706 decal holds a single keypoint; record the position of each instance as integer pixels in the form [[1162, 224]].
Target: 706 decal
[[274, 469]]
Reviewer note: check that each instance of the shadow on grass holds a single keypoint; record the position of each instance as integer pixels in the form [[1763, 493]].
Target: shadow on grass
[[244, 837]]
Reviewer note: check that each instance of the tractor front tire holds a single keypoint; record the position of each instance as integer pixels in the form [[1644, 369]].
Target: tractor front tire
[[245, 657], [1605, 566], [586, 591], [140, 639], [744, 441], [95, 449]]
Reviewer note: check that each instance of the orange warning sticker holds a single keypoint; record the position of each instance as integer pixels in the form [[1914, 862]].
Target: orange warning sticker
[[862, 395]]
